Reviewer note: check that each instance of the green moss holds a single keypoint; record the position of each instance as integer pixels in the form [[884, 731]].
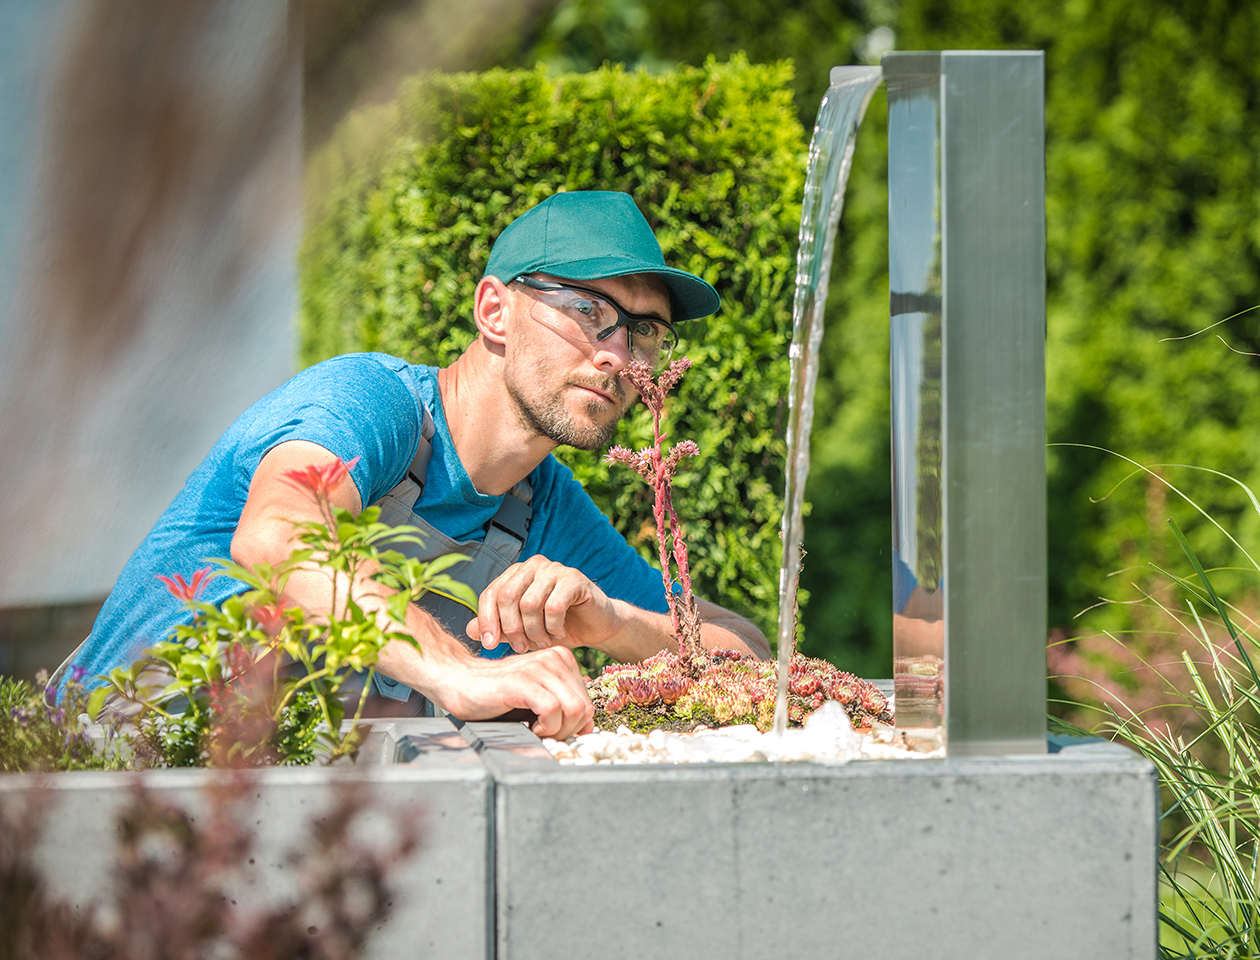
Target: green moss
[[654, 717]]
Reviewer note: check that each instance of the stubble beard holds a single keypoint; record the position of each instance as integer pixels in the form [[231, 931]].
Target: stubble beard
[[550, 417]]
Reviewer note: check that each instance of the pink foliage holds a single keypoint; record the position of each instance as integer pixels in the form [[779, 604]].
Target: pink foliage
[[271, 617], [320, 480], [185, 590], [1141, 673], [174, 879], [734, 688]]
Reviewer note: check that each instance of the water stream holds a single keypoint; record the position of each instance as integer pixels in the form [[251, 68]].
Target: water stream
[[830, 159]]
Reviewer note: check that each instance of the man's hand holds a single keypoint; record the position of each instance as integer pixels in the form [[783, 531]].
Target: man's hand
[[548, 683], [538, 604]]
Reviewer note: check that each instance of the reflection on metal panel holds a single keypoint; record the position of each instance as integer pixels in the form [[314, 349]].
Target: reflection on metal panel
[[914, 267], [967, 276]]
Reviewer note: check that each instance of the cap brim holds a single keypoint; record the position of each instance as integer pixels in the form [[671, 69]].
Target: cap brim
[[693, 298]]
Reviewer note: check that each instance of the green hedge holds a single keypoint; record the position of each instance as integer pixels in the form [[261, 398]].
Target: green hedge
[[713, 155]]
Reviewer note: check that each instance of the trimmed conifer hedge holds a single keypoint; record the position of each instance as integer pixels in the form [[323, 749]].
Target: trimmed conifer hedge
[[715, 158]]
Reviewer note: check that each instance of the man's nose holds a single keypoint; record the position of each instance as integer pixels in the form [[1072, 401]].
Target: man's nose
[[613, 353]]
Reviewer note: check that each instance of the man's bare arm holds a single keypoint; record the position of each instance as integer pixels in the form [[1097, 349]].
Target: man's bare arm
[[549, 683], [539, 604]]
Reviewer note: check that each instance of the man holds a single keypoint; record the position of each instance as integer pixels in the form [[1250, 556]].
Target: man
[[574, 289]]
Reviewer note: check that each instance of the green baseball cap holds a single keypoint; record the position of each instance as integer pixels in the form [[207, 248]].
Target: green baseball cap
[[592, 235]]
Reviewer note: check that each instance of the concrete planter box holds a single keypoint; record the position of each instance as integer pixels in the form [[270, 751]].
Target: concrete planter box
[[1029, 857], [1036, 856]]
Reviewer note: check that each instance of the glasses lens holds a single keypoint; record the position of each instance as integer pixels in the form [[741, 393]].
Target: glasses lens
[[581, 316], [576, 314], [650, 342]]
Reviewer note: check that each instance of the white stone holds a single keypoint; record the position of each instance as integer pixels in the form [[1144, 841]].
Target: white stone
[[828, 737]]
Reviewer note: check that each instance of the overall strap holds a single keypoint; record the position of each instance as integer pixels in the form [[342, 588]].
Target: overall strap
[[507, 529], [419, 468]]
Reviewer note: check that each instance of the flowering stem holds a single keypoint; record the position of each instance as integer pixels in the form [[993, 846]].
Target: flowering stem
[[659, 470], [658, 512]]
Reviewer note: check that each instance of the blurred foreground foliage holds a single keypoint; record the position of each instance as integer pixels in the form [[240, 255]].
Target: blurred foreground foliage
[[713, 155]]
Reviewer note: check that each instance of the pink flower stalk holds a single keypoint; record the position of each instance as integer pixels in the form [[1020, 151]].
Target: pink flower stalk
[[185, 590], [659, 471]]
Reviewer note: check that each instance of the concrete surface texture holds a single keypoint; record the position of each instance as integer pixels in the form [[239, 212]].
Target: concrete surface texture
[[441, 907], [1025, 857]]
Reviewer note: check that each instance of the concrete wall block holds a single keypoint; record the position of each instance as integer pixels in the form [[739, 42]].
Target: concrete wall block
[[1024, 857]]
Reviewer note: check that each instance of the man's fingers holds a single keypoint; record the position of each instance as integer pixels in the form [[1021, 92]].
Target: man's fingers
[[547, 682], [564, 596], [527, 605], [550, 684], [539, 604], [549, 712], [562, 706], [500, 605], [544, 607], [491, 629]]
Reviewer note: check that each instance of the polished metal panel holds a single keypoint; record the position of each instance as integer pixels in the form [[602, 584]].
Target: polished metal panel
[[967, 277], [914, 267]]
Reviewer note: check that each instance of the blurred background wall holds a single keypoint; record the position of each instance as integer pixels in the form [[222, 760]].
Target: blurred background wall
[[151, 160], [150, 165]]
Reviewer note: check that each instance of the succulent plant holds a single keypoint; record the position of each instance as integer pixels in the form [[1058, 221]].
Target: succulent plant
[[728, 687], [679, 691]]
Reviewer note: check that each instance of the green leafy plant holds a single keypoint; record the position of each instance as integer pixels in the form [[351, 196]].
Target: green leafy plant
[[254, 680]]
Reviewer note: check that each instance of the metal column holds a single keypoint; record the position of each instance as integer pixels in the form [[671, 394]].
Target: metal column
[[966, 196]]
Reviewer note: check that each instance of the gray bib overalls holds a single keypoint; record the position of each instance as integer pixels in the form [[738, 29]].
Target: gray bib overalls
[[505, 538]]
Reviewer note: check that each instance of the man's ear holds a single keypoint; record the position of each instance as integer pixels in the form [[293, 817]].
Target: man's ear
[[490, 305]]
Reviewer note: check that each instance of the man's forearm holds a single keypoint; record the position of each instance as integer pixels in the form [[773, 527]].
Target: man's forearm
[[422, 669], [722, 630], [645, 633]]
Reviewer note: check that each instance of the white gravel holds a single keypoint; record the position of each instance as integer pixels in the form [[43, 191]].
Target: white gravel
[[828, 737]]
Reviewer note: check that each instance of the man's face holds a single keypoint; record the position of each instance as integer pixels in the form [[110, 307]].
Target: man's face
[[567, 390]]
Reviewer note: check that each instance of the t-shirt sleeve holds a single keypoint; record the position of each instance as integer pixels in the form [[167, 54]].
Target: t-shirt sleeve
[[352, 406], [572, 531]]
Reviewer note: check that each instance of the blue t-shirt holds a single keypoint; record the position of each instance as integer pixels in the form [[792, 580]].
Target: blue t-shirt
[[366, 405]]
